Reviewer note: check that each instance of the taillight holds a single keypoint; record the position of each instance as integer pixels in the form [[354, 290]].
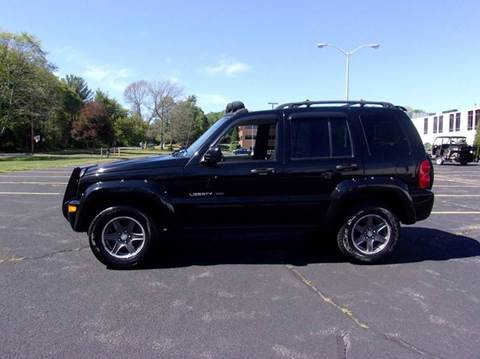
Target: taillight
[[424, 177]]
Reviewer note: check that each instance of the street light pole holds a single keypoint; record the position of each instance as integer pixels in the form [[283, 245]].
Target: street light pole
[[347, 55], [273, 104], [347, 75]]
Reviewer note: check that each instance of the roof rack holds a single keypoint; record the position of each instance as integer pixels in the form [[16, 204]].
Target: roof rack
[[361, 103]]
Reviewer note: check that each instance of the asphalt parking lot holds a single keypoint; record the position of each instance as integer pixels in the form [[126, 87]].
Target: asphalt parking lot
[[265, 295]]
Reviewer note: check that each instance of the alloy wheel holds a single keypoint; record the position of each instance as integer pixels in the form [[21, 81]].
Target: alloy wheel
[[123, 237], [370, 234]]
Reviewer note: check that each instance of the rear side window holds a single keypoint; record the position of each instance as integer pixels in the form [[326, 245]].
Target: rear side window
[[385, 136], [320, 138]]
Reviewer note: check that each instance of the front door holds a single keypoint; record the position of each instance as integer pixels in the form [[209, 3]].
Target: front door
[[244, 189]]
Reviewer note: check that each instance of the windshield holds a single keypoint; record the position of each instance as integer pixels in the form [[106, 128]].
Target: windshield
[[194, 147]]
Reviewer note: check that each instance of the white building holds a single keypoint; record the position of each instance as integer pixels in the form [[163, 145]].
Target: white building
[[448, 123]]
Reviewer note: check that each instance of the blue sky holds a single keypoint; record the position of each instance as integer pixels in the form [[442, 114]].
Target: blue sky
[[262, 51]]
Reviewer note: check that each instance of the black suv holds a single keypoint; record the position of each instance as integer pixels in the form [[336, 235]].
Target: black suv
[[356, 169]]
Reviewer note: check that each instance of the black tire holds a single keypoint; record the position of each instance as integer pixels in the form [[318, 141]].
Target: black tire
[[349, 229], [121, 217]]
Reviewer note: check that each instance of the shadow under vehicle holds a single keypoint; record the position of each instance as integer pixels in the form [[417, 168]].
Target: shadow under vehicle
[[452, 149]]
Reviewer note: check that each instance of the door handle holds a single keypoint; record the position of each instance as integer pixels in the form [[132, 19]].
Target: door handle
[[346, 167], [262, 171]]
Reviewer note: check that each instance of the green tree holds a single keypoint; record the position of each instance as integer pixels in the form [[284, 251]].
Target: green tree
[[188, 122], [79, 85], [214, 117], [28, 88], [130, 131]]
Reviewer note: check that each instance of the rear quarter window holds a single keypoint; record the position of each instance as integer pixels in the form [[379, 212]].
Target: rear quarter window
[[385, 136]]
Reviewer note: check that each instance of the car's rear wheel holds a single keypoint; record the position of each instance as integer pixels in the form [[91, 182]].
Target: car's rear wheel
[[439, 161], [368, 234], [121, 236]]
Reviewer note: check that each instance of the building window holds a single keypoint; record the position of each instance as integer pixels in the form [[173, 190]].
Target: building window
[[450, 127], [457, 121], [425, 125], [470, 121], [250, 141], [435, 124], [477, 118], [440, 124]]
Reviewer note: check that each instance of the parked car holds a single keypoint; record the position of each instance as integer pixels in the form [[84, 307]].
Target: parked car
[[357, 169], [452, 149], [242, 151]]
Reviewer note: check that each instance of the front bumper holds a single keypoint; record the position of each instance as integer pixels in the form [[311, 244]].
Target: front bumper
[[70, 196], [423, 203], [71, 216]]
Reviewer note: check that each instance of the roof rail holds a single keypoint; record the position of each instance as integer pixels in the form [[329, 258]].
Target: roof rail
[[309, 103]]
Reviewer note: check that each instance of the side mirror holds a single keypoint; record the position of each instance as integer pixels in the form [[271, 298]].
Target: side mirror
[[212, 156]]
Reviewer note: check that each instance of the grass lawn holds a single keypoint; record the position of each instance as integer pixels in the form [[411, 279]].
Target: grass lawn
[[39, 161]]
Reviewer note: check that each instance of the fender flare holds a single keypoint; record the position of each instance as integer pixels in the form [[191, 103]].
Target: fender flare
[[379, 188], [108, 191]]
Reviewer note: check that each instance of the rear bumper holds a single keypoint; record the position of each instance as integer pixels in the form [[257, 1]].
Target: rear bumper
[[423, 203]]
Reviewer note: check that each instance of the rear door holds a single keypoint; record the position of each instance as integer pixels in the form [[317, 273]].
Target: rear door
[[320, 153]]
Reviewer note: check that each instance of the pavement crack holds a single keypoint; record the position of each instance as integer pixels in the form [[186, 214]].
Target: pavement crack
[[12, 259], [347, 312], [403, 343], [343, 344], [343, 341]]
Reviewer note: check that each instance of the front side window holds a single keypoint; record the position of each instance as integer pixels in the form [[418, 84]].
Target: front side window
[[320, 138], [249, 141], [384, 135]]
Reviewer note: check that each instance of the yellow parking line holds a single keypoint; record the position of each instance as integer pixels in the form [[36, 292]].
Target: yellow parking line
[[31, 193]]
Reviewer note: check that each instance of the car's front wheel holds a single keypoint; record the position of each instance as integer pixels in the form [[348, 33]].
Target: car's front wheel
[[368, 234], [121, 237]]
